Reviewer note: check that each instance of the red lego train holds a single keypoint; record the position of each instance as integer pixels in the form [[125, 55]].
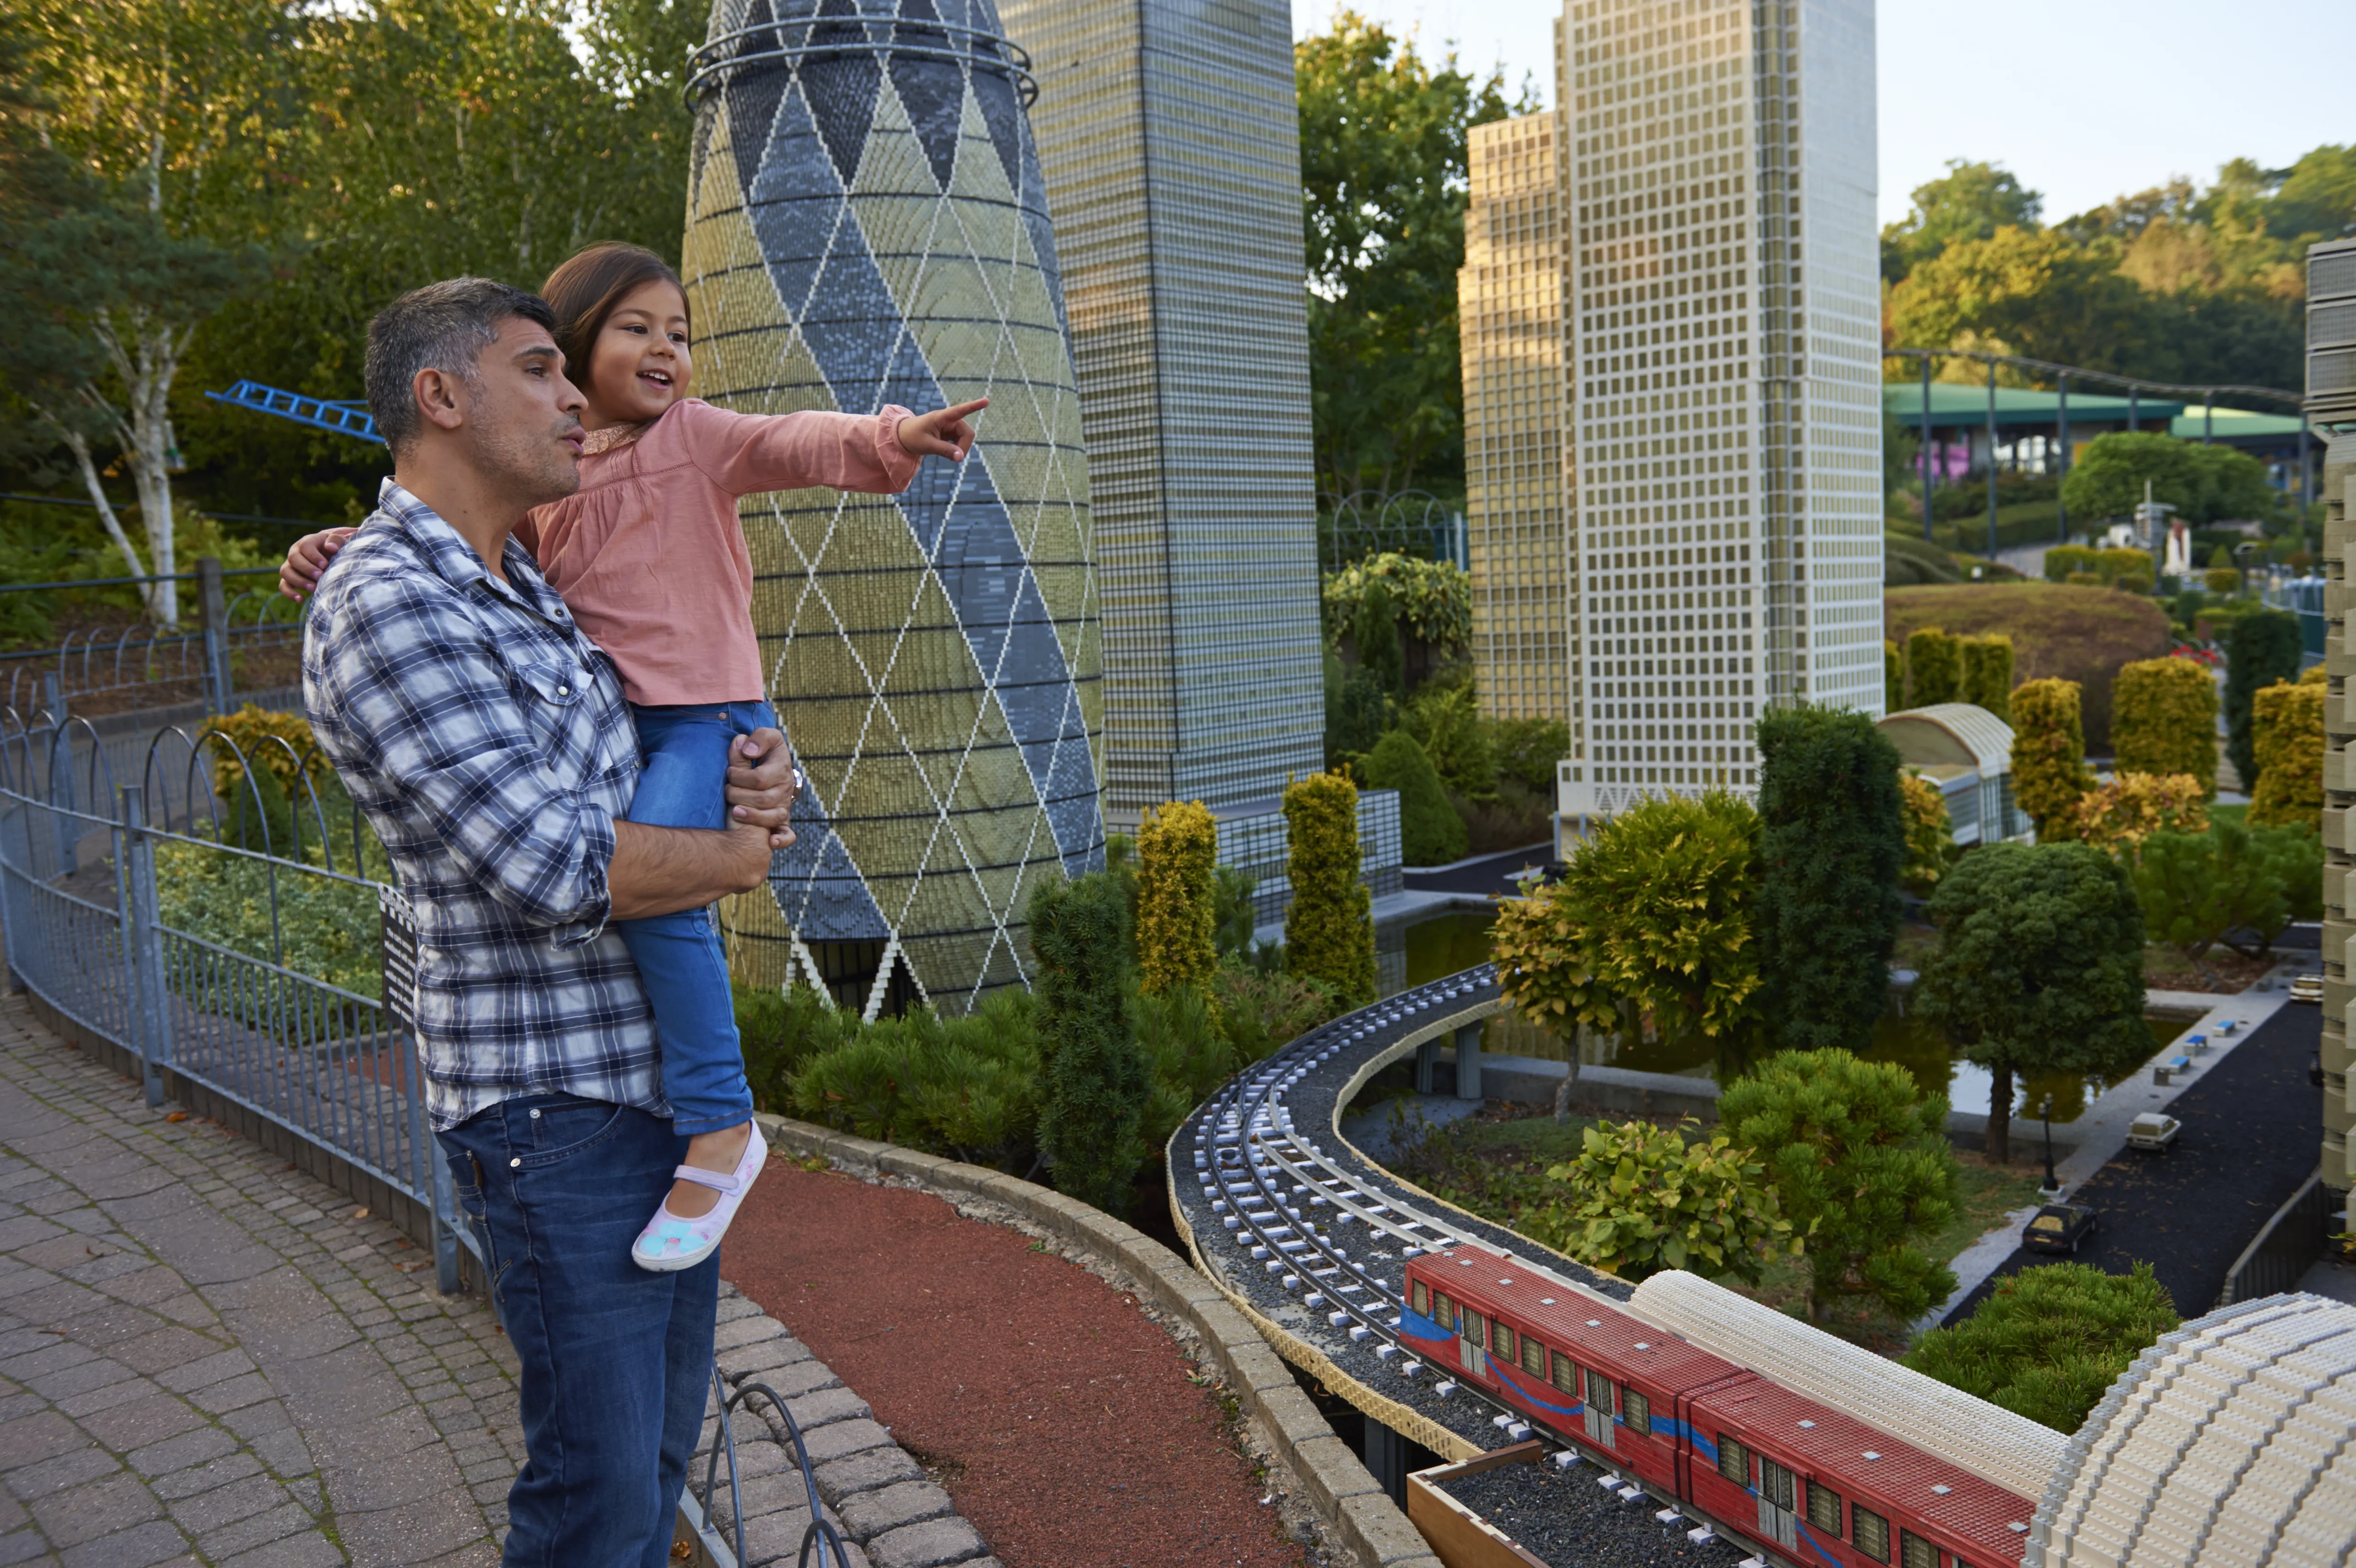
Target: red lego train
[[1788, 1473]]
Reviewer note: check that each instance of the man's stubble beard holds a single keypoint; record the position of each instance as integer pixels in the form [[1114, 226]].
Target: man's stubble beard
[[531, 463]]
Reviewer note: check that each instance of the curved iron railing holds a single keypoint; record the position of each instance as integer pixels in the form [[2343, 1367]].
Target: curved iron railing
[[819, 1536]]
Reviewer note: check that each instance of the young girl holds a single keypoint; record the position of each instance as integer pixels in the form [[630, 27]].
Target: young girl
[[648, 555]]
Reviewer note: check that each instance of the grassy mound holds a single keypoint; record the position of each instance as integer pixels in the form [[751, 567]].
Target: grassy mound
[[2063, 630]]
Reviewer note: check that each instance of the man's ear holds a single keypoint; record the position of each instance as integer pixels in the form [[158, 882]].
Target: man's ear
[[440, 398]]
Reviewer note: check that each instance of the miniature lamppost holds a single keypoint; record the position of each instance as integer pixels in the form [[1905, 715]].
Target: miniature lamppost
[[2052, 1191]]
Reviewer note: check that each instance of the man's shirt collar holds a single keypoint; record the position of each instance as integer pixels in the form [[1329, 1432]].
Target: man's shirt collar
[[455, 562]]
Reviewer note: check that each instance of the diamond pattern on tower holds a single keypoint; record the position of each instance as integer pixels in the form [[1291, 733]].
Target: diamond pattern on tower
[[866, 227]]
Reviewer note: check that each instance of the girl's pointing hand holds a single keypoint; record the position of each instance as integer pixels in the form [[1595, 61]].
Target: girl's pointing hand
[[945, 433]]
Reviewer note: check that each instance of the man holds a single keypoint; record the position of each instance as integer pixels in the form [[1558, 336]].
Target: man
[[487, 742]]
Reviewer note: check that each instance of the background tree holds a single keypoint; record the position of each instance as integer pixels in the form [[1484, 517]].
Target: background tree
[[1864, 1170], [1383, 167], [1430, 833], [1638, 1199], [1094, 1077], [2205, 484], [1970, 201], [1176, 919], [2261, 648], [2198, 888], [2049, 1341], [2039, 967], [2049, 754], [2288, 721], [1329, 932], [1832, 844], [2024, 292], [2164, 721]]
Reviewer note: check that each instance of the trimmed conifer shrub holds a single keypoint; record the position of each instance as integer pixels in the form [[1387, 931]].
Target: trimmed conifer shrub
[[2164, 721], [1094, 1078], [1893, 677], [1329, 932], [1832, 844], [2289, 745], [1987, 673], [1934, 669], [1177, 896], [2261, 648], [2048, 756], [1430, 831]]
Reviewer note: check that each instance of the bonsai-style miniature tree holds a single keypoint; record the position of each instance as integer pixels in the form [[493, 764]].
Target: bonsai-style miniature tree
[[2039, 967], [2287, 743], [2049, 1341], [1864, 1170], [2164, 721], [1832, 843], [1935, 668], [2049, 755], [1177, 919], [1329, 932], [1431, 833], [2261, 648], [1094, 1080]]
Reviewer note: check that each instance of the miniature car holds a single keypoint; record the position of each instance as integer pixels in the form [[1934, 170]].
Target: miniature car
[[2306, 988], [2058, 1228], [2153, 1133]]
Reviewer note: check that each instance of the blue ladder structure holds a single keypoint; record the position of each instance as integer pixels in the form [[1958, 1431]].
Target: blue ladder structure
[[346, 418]]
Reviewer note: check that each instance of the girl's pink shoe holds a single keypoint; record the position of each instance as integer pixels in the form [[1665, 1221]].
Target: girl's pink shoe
[[670, 1243]]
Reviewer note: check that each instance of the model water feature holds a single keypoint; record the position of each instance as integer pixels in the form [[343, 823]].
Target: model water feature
[[1447, 942]]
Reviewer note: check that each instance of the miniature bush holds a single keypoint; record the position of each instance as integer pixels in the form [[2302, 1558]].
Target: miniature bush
[[2118, 565], [2117, 817], [1832, 843], [2060, 632], [2165, 721], [2039, 967], [967, 1087], [2198, 888], [780, 1030], [1929, 837], [1432, 598], [2220, 578], [1527, 751], [1657, 912], [1863, 1168], [1177, 896], [1329, 932], [1934, 671], [253, 731], [2064, 560], [1375, 630], [2048, 756], [1987, 673], [2287, 721], [1234, 917], [1445, 718], [2261, 648], [1893, 677], [1093, 1076], [1430, 832], [1638, 1199], [2049, 1341], [1357, 711]]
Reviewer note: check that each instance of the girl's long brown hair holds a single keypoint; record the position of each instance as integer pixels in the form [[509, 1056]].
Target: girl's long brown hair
[[587, 286]]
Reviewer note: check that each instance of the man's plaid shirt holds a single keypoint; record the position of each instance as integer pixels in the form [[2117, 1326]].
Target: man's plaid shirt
[[486, 740]]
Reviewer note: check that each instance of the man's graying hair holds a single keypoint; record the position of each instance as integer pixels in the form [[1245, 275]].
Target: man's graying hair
[[443, 326]]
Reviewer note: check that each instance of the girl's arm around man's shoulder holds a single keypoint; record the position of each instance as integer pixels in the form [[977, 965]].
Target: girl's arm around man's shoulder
[[877, 453]]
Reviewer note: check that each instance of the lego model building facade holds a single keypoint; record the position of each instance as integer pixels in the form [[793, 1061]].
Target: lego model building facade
[[1705, 537], [2331, 410], [867, 225], [1169, 134]]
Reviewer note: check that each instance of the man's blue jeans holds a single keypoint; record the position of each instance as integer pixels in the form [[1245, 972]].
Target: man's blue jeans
[[683, 762], [616, 1360]]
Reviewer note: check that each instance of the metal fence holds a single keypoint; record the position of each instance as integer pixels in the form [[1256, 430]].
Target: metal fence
[[176, 898], [2290, 1244], [1407, 522], [146, 659]]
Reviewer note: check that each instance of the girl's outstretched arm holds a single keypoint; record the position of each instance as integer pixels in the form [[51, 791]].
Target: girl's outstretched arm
[[877, 453]]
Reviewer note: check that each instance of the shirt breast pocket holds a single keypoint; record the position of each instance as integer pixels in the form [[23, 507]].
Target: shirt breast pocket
[[553, 693]]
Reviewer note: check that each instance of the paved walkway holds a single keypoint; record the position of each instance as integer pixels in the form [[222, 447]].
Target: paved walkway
[[207, 1357]]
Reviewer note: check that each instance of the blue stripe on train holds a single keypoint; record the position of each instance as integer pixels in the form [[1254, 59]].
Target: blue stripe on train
[[1512, 1378]]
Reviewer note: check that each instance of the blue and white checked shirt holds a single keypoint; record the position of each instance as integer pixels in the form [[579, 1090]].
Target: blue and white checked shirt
[[486, 740]]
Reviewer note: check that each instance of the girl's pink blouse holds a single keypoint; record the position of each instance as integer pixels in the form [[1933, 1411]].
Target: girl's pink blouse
[[649, 554]]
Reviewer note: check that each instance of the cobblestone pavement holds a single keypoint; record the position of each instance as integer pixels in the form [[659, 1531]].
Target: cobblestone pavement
[[207, 1357]]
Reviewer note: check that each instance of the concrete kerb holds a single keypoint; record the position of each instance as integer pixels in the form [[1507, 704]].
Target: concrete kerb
[[1344, 1502]]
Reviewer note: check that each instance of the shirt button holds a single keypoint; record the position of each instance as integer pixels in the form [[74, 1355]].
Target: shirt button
[[564, 691]]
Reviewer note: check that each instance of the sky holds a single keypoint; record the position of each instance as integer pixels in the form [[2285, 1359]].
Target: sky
[[2082, 99]]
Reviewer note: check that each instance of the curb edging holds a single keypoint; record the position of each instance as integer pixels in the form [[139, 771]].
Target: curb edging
[[1356, 1512]]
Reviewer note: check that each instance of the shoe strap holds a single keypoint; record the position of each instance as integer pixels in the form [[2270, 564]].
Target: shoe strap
[[712, 1179]]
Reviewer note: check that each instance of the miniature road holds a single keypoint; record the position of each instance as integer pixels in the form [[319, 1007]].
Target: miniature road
[[2249, 1140], [1066, 1425], [206, 1357]]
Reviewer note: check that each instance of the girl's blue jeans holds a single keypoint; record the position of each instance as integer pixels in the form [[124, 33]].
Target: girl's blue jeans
[[684, 769]]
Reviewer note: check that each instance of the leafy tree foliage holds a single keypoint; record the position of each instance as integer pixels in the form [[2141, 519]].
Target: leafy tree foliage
[[1176, 898], [1358, 710], [1374, 630], [1093, 1076], [2196, 890], [1432, 599], [1970, 201], [1430, 832], [2049, 755], [2261, 648], [1864, 1170], [2039, 967], [1657, 912], [2049, 1341], [1929, 838], [2026, 291], [1329, 933], [1639, 1199], [2117, 817], [2205, 484], [1383, 165], [1832, 844]]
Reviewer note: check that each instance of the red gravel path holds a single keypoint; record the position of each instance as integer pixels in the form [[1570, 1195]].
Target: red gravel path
[[1063, 1423]]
